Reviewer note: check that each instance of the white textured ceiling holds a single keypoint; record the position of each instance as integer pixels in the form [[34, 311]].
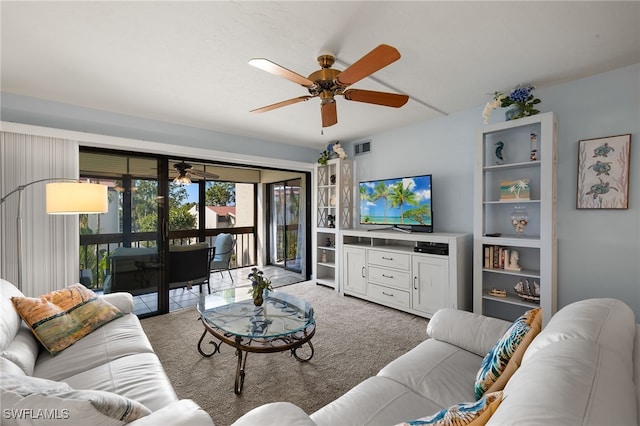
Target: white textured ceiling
[[186, 62]]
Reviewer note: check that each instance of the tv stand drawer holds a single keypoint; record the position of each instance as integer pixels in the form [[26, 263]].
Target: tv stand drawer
[[389, 259], [390, 277], [389, 296]]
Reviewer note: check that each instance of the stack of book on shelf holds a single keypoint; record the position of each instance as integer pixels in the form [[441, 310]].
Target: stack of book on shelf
[[497, 257]]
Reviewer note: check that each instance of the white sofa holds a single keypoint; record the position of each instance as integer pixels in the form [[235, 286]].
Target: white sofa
[[582, 369], [116, 357]]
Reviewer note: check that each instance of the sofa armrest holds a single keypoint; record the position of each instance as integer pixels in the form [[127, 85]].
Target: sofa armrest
[[472, 332], [275, 414], [121, 300], [183, 412]]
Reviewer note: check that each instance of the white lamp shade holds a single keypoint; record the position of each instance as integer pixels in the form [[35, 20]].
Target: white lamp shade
[[76, 197]]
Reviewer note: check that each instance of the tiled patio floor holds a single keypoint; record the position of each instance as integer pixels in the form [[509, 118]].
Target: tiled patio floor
[[182, 298]]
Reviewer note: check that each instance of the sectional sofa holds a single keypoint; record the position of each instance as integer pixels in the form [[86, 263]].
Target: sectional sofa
[[116, 360], [582, 369]]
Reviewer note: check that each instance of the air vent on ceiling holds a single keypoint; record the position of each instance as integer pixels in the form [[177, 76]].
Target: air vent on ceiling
[[362, 147]]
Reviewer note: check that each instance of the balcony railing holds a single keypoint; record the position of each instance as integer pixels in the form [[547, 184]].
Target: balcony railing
[[95, 249]]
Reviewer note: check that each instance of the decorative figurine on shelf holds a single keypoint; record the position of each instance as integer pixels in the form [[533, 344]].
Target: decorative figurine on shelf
[[258, 285], [331, 219], [332, 200], [533, 145], [499, 152], [519, 219], [327, 242], [323, 258], [332, 179], [527, 291], [514, 257]]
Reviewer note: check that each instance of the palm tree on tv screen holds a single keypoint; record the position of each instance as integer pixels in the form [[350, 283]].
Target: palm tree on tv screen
[[402, 194], [382, 192]]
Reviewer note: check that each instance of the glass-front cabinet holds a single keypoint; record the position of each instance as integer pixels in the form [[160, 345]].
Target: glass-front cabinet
[[333, 212]]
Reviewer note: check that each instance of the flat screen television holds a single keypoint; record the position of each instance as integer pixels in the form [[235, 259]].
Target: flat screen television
[[402, 203]]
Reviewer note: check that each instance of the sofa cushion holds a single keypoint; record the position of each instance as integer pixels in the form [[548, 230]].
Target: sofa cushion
[[9, 367], [437, 371], [572, 382], [120, 338], [121, 300], [182, 412], [467, 330], [505, 357], [636, 366], [463, 414], [9, 320], [139, 377], [376, 401], [275, 414], [60, 318], [23, 350], [580, 369], [41, 393]]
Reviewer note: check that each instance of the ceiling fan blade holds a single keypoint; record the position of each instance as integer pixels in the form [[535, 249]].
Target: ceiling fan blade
[[379, 98], [273, 68], [281, 104], [373, 61], [203, 174], [329, 114]]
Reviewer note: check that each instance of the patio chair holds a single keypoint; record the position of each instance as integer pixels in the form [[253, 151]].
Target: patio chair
[[189, 266], [224, 248]]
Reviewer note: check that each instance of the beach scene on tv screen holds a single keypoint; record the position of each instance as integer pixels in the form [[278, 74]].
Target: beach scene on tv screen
[[403, 201]]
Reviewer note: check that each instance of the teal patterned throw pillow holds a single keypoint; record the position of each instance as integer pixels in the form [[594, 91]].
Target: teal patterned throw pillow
[[464, 414], [505, 357]]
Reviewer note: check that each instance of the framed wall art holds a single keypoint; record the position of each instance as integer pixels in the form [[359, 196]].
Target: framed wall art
[[603, 172]]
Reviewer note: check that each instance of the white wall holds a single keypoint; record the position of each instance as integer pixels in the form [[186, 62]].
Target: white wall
[[598, 250]]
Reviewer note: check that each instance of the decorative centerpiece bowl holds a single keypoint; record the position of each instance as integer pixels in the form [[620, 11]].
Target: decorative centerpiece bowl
[[258, 285]]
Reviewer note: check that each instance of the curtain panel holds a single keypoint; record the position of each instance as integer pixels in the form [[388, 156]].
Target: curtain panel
[[50, 242]]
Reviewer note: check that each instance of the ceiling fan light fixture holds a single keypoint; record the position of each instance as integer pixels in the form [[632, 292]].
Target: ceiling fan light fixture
[[182, 180]]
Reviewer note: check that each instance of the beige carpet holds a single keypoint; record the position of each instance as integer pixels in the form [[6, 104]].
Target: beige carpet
[[354, 339]]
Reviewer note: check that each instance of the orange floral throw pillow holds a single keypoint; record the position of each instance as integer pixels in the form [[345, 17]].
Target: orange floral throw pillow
[[62, 317]]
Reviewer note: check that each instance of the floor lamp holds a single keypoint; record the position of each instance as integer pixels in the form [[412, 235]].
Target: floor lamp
[[63, 196]]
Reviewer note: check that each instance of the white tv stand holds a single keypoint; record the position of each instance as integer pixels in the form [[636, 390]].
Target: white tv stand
[[382, 266]]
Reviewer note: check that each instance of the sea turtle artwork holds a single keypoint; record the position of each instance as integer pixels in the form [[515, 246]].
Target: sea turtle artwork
[[603, 150], [601, 167], [600, 188], [499, 148]]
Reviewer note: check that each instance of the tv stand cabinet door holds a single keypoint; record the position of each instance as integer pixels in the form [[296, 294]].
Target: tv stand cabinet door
[[354, 267], [430, 284]]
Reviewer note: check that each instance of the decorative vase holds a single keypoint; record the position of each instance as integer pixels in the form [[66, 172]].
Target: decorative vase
[[519, 219], [513, 113], [258, 301]]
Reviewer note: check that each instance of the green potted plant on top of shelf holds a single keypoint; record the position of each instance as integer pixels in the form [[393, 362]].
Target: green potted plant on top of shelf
[[259, 283]]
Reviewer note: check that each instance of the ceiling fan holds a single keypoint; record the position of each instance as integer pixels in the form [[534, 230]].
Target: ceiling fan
[[186, 170], [327, 82]]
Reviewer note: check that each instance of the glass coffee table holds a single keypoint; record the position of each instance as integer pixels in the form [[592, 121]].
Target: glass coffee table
[[282, 323]]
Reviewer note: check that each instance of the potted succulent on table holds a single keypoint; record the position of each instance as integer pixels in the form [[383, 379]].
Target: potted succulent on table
[[259, 283]]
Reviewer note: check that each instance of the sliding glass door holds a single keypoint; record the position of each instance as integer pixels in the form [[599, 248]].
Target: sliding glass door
[[287, 225], [123, 250]]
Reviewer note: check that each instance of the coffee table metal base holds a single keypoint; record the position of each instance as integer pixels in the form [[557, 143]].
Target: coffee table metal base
[[244, 345]]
